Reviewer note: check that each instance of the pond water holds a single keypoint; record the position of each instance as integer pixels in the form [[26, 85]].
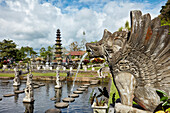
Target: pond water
[[42, 96]]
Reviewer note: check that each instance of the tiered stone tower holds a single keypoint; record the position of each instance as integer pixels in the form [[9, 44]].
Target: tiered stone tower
[[58, 47]]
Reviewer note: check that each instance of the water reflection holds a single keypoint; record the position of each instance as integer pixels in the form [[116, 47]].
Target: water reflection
[[42, 97], [29, 108], [58, 93], [15, 88], [69, 86], [47, 89]]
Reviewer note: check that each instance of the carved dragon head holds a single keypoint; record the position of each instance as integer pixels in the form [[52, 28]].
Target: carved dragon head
[[110, 47]]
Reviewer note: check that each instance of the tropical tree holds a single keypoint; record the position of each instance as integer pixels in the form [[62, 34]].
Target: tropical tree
[[7, 49], [126, 27], [165, 14], [27, 51], [42, 52], [74, 46]]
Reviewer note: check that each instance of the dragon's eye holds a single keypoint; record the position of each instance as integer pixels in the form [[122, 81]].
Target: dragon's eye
[[118, 42]]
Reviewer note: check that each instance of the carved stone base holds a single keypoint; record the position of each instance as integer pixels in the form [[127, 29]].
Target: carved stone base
[[120, 108], [57, 86], [28, 100], [16, 84]]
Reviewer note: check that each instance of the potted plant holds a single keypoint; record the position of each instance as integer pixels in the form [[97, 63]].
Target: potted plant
[[99, 105]]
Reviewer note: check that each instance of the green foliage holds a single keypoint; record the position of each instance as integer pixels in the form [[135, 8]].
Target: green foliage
[[74, 46], [103, 94], [113, 91], [126, 27], [120, 29], [26, 51], [165, 101], [7, 49], [42, 52], [165, 15], [94, 41]]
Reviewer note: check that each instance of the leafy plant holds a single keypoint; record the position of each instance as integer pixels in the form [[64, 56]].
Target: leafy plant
[[102, 101], [165, 102]]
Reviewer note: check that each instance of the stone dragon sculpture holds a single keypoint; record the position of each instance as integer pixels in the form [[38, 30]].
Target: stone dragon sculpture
[[139, 60]]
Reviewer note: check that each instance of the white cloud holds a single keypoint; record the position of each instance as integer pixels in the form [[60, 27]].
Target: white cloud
[[28, 22]]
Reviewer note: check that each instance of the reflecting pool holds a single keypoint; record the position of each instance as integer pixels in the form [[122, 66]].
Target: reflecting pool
[[42, 96]]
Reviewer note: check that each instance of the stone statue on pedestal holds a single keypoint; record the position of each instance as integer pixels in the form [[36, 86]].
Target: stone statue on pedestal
[[58, 84], [16, 79], [29, 92]]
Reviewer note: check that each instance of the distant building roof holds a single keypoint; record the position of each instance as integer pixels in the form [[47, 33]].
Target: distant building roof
[[76, 53]]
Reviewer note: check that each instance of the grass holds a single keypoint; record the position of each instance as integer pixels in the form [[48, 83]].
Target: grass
[[7, 75], [112, 91], [50, 74]]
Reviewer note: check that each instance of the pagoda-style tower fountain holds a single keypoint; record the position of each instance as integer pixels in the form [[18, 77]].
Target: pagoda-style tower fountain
[[58, 47]]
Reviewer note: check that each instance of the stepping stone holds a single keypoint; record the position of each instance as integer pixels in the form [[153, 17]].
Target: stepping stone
[[19, 91], [84, 86], [53, 111], [41, 84], [81, 89], [68, 100], [36, 86], [53, 99], [61, 105], [74, 95], [77, 92], [9, 95], [0, 99], [5, 81], [94, 82]]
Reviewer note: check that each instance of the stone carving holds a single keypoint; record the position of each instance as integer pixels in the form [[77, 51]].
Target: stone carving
[[103, 72], [58, 84], [16, 81], [29, 92], [138, 60]]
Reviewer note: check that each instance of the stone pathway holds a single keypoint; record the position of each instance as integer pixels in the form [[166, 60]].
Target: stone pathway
[[53, 99], [19, 91], [77, 92], [8, 95], [61, 105], [94, 82], [81, 89], [68, 100], [83, 86], [53, 111], [74, 95], [71, 97]]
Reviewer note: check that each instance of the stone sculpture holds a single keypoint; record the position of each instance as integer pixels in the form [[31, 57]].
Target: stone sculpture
[[58, 84], [29, 92], [138, 60], [16, 81]]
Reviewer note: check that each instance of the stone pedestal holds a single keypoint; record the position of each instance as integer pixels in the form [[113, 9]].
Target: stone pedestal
[[16, 81], [120, 108], [99, 109], [58, 84], [64, 68], [29, 92], [51, 68], [71, 69]]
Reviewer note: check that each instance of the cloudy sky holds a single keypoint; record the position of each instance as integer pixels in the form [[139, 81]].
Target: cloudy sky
[[34, 22]]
